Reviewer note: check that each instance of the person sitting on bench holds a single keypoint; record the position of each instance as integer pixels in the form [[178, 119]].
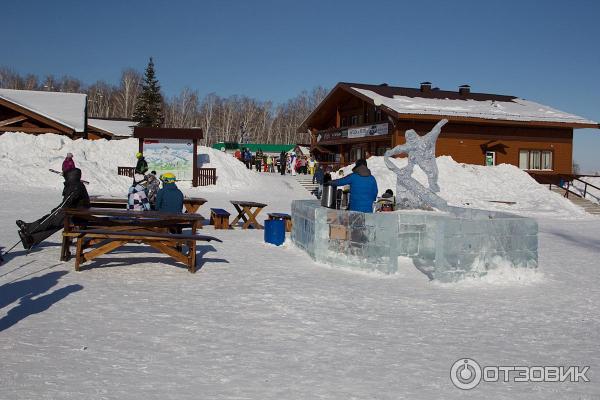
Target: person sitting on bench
[[74, 194], [136, 196], [169, 198]]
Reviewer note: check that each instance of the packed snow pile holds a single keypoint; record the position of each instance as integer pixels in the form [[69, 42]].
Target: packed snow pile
[[26, 160], [503, 187]]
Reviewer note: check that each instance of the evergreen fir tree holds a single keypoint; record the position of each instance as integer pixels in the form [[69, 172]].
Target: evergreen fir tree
[[148, 110]]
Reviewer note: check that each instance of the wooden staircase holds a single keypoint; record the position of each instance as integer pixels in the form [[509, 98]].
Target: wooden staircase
[[563, 184], [306, 182], [586, 204]]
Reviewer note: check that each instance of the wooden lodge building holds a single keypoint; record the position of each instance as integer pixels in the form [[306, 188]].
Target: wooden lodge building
[[358, 120], [39, 112]]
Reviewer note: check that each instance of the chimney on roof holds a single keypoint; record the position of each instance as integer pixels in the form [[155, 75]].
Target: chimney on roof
[[425, 86], [464, 90]]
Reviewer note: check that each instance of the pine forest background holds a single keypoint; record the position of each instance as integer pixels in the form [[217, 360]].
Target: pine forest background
[[221, 118]]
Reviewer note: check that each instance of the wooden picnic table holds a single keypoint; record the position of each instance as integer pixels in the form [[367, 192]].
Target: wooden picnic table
[[103, 230], [191, 204], [244, 209]]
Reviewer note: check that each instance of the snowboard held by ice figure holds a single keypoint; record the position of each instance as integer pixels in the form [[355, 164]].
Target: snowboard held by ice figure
[[410, 194]]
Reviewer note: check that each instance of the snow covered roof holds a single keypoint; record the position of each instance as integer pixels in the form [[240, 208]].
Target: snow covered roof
[[510, 109], [114, 127], [67, 109], [427, 103]]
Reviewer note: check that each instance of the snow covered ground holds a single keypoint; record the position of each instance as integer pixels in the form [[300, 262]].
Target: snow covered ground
[[265, 322], [262, 322]]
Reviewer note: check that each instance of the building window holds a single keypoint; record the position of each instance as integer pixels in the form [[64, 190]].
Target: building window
[[381, 150], [355, 153], [354, 120], [378, 115], [343, 123], [535, 159]]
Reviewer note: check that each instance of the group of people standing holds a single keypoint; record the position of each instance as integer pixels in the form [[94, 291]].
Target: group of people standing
[[286, 162]]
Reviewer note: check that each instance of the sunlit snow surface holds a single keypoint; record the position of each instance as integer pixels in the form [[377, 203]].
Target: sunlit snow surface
[[265, 322]]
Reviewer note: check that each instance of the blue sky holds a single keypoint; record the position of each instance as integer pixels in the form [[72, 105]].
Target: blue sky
[[271, 50]]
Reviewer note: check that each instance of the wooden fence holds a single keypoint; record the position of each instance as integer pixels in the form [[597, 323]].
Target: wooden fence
[[126, 171], [205, 177]]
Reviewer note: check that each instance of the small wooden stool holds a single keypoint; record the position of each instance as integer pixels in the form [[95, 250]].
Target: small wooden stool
[[219, 218], [286, 217]]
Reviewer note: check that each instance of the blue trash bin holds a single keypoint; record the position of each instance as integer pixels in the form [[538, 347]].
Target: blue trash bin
[[275, 231]]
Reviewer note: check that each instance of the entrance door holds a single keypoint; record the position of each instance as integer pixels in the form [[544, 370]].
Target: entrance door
[[490, 158]]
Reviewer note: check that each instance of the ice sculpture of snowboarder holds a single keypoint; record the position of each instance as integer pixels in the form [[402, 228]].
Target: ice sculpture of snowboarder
[[421, 151]]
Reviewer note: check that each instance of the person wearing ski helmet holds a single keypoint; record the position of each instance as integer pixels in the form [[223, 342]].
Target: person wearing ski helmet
[[142, 166], [169, 198]]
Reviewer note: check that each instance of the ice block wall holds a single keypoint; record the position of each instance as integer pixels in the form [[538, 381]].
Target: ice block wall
[[446, 246]]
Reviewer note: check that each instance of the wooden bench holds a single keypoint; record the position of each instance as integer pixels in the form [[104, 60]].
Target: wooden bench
[[103, 230], [109, 240], [286, 217], [219, 218]]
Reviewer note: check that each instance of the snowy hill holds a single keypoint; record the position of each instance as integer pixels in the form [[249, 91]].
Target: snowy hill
[[26, 159]]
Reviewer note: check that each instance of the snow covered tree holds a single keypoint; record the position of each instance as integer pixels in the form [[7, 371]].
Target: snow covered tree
[[148, 110]]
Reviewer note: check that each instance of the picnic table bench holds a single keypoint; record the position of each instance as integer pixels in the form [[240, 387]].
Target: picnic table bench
[[101, 231], [286, 217], [191, 204], [244, 209], [219, 218]]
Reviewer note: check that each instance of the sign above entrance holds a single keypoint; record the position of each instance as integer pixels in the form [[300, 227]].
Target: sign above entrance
[[353, 133], [363, 131]]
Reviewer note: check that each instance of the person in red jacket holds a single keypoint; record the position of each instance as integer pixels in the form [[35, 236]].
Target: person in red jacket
[[68, 164]]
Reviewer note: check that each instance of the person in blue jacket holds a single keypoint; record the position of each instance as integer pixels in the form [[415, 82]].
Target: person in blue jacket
[[169, 198], [363, 187]]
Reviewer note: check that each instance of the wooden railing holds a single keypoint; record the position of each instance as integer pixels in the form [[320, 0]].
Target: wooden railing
[[205, 177], [564, 181], [126, 171]]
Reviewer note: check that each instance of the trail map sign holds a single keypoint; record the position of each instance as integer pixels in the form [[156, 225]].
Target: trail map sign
[[170, 155], [172, 150]]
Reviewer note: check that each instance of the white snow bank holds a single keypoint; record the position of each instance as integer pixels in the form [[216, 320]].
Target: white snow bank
[[25, 160], [478, 186]]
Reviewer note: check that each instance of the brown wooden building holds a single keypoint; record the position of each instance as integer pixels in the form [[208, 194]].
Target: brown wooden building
[[356, 120], [39, 112], [43, 112]]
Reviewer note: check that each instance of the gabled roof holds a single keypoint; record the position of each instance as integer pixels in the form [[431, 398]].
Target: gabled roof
[[67, 109], [412, 103], [114, 127]]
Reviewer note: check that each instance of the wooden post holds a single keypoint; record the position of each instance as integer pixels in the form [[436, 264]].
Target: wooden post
[[195, 164]]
